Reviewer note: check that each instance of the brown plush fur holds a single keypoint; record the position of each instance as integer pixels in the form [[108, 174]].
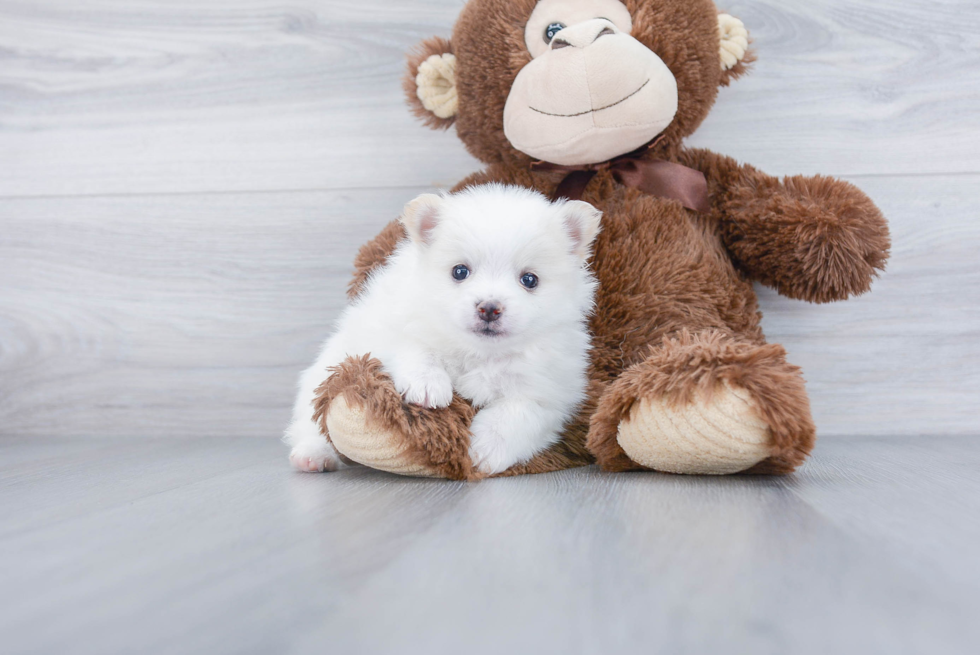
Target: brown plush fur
[[676, 314]]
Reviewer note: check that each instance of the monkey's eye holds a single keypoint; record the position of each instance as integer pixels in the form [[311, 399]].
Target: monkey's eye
[[551, 30], [460, 272], [529, 280]]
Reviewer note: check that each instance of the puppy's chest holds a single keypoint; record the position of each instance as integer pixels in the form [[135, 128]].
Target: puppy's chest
[[482, 381]]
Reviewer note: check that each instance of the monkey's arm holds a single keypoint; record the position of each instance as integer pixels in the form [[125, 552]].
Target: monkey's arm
[[812, 238], [374, 254]]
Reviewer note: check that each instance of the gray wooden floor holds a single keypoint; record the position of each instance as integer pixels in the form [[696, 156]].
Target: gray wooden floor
[[214, 546], [183, 185]]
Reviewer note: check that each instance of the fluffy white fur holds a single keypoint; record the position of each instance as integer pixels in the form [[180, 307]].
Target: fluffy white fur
[[524, 371]]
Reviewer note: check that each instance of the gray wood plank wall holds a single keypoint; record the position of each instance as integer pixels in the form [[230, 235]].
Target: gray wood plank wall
[[183, 186]]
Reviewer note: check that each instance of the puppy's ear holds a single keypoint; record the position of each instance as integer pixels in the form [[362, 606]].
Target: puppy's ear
[[581, 222], [430, 83], [421, 216]]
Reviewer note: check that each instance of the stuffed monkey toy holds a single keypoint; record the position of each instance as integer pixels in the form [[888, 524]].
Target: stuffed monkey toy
[[592, 100]]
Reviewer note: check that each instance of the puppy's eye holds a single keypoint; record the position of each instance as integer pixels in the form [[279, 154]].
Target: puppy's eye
[[529, 280], [551, 30], [460, 272]]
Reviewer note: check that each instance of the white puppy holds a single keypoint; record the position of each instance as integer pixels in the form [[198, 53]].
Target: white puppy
[[488, 297]]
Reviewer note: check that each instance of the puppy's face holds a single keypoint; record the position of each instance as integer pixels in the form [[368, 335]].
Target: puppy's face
[[501, 263]]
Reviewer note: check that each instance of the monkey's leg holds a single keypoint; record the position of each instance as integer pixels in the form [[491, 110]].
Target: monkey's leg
[[705, 404], [364, 416]]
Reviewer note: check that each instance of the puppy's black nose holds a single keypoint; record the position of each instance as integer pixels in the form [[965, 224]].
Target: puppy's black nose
[[489, 310]]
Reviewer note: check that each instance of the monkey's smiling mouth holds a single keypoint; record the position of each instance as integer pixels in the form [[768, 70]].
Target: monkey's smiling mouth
[[591, 111]]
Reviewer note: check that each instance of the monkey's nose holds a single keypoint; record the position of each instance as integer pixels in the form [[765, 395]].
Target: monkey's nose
[[583, 34], [489, 310]]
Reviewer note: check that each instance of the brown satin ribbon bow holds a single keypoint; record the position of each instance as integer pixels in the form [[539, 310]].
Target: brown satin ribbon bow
[[656, 177]]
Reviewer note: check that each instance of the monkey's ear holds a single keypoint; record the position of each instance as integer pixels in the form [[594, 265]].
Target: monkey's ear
[[430, 83], [734, 49], [421, 216]]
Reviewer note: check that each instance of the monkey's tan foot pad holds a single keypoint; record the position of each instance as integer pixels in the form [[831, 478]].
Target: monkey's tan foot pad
[[715, 435], [360, 411], [385, 450]]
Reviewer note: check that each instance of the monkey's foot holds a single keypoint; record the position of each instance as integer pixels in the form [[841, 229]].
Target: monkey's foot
[[705, 404], [362, 413], [373, 446], [715, 436]]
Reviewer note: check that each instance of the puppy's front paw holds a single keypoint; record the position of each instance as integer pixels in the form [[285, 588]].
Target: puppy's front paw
[[488, 449], [430, 387], [314, 457]]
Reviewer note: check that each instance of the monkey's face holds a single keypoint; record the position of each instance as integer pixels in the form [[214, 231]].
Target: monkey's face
[[592, 91], [575, 81]]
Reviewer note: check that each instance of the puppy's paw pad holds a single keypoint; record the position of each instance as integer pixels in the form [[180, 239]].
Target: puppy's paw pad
[[430, 389], [314, 458]]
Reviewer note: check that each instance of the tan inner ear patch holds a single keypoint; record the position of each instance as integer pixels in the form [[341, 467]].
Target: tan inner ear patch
[[734, 40], [436, 82]]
